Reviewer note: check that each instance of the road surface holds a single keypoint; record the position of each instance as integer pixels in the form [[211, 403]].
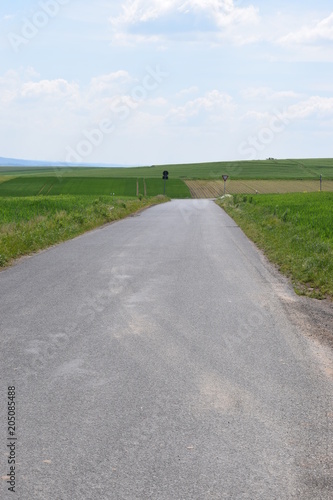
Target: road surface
[[154, 358]]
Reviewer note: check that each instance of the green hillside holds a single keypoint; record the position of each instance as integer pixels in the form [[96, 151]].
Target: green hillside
[[263, 169]]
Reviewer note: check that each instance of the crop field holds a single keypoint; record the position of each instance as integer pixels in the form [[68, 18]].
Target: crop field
[[47, 186], [256, 169], [205, 189], [296, 233], [33, 186], [4, 178], [175, 188], [33, 223], [214, 189]]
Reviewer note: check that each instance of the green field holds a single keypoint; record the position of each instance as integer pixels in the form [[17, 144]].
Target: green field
[[33, 223], [256, 169], [47, 186], [175, 188], [33, 186], [33, 181], [294, 230], [296, 233]]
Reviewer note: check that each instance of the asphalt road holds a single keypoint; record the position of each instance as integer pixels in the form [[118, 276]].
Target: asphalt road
[[154, 358]]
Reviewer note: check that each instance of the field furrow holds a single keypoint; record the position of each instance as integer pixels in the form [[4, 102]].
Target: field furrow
[[214, 189]]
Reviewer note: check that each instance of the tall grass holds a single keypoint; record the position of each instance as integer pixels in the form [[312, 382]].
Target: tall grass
[[295, 231], [33, 223]]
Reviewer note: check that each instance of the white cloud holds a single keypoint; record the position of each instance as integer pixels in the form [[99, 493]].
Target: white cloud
[[154, 20], [106, 85], [190, 90], [26, 87], [318, 109], [55, 89], [255, 116], [158, 102], [223, 12], [107, 81], [315, 105], [268, 94], [320, 32], [31, 73], [59, 111], [9, 87], [212, 105], [17, 87]]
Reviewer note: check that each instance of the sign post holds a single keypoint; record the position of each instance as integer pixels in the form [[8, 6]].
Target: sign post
[[225, 178], [165, 177]]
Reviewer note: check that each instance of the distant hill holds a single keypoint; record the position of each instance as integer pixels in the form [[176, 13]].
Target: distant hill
[[14, 162]]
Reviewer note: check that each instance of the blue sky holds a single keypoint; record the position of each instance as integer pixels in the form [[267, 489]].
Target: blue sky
[[151, 82]]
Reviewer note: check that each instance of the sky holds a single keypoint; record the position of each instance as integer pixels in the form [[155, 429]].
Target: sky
[[140, 82]]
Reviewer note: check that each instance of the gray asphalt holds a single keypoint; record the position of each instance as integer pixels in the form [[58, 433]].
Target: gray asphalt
[[154, 358]]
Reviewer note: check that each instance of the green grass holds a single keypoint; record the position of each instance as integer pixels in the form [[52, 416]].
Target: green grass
[[256, 169], [33, 223], [33, 186], [175, 188], [296, 233]]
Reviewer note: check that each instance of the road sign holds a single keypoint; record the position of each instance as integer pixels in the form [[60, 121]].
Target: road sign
[[225, 178], [165, 177]]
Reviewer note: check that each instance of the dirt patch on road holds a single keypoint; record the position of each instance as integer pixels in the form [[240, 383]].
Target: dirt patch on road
[[315, 317], [312, 317]]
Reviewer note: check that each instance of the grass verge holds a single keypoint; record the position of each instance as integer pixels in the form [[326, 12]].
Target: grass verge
[[295, 231], [34, 223]]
